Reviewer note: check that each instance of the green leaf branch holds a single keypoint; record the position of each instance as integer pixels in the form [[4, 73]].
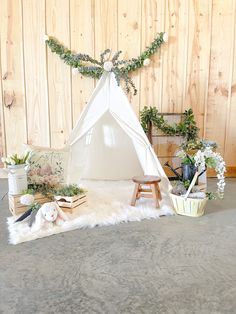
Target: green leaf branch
[[89, 66], [187, 127]]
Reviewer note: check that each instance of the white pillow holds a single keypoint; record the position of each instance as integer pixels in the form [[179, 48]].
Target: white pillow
[[47, 165]]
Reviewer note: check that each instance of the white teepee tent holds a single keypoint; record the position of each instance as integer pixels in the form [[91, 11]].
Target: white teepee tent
[[108, 142]]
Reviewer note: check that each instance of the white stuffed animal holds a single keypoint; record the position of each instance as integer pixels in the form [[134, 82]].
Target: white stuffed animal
[[48, 215]]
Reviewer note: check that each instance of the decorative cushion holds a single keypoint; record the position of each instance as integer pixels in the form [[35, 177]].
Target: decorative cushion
[[47, 165]]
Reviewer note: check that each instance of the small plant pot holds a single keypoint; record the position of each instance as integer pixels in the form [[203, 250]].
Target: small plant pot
[[191, 207]]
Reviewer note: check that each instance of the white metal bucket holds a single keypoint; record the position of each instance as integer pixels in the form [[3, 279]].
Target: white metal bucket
[[17, 179]]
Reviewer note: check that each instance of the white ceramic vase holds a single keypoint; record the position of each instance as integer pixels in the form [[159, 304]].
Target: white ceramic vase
[[17, 179]]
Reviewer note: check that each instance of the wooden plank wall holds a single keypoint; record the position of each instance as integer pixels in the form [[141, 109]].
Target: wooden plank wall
[[195, 69], [13, 105]]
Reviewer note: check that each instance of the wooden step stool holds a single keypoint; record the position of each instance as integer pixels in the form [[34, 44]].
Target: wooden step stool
[[153, 191]]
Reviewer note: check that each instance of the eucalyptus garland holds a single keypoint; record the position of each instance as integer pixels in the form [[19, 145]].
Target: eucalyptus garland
[[88, 66], [186, 128]]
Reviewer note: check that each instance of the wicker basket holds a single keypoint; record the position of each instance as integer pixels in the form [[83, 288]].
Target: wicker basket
[[188, 207]]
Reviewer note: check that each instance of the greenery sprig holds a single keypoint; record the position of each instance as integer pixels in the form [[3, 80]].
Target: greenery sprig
[[89, 66], [68, 190], [137, 63], [186, 128], [48, 190], [45, 189], [190, 147]]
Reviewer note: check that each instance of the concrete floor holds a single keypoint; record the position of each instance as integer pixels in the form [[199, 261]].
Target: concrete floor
[[172, 265]]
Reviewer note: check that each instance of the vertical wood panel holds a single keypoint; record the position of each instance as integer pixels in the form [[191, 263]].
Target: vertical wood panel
[[105, 27], [196, 68], [174, 61], [12, 75], [151, 76], [59, 74], [198, 59], [2, 126], [230, 138], [82, 40], [35, 72], [129, 39], [221, 51]]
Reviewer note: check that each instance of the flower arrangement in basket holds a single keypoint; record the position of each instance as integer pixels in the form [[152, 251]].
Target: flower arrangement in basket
[[188, 199]]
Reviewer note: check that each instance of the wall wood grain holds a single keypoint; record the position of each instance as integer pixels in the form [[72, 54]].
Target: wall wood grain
[[195, 69]]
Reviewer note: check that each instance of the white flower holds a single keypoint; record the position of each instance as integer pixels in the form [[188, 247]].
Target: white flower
[[165, 37], [181, 154], [21, 156], [8, 160], [208, 152], [81, 186], [75, 71], [27, 199], [199, 159], [219, 167], [146, 62], [3, 159], [107, 66], [46, 37]]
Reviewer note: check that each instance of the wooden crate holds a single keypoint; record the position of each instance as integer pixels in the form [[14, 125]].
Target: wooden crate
[[70, 203], [17, 208]]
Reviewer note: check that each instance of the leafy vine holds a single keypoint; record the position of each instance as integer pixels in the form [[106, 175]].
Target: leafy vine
[[186, 128], [89, 66]]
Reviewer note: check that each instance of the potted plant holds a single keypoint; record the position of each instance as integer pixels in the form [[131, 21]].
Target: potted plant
[[188, 199], [200, 155], [17, 178], [187, 155], [188, 202], [15, 161]]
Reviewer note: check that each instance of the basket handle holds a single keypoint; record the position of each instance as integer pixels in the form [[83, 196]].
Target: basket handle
[[191, 185]]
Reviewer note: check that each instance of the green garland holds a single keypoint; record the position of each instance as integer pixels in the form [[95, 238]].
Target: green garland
[[186, 128], [91, 67]]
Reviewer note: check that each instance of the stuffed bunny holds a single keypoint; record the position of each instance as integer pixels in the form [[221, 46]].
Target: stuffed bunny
[[49, 214]]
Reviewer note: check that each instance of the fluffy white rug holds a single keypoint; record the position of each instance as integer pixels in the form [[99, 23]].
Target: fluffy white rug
[[108, 204]]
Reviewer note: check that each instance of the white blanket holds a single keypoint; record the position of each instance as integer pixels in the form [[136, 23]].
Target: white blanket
[[108, 204]]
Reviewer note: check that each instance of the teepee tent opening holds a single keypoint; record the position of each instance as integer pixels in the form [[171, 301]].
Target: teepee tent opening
[[108, 152]]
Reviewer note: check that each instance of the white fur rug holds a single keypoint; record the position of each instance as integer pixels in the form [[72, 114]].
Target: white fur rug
[[108, 204]]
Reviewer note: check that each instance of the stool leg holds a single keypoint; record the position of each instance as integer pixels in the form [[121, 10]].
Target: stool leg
[[155, 195], [135, 194], [159, 191], [139, 191]]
